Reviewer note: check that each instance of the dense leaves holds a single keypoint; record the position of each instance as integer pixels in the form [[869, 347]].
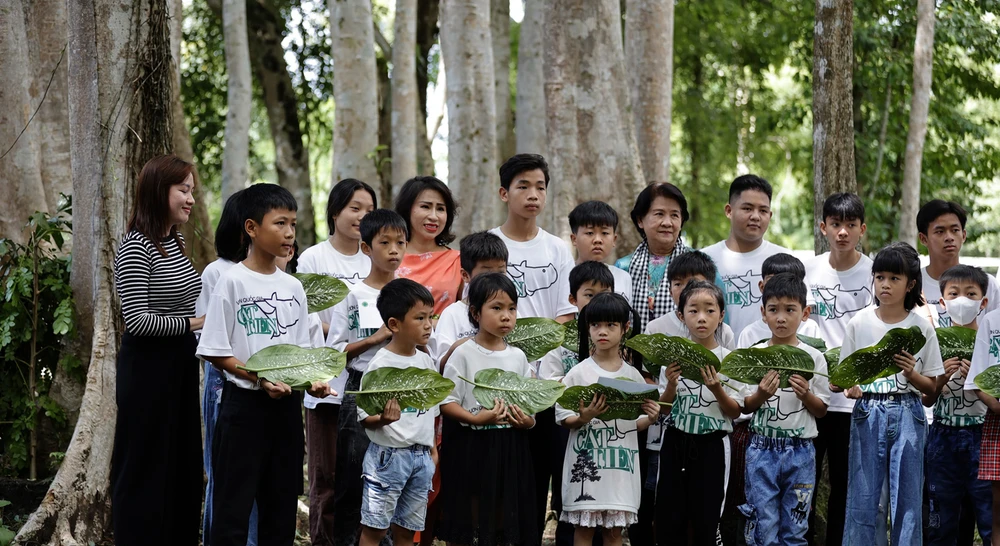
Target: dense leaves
[[416, 388], [531, 395], [866, 365], [536, 336], [751, 365], [956, 341], [295, 366]]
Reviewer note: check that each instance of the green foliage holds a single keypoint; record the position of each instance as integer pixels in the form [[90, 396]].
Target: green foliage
[[988, 381], [571, 339], [40, 259], [322, 291], [416, 388], [956, 341], [751, 365], [621, 404], [866, 365], [536, 336], [661, 350], [295, 366], [6, 535], [531, 395], [832, 358]]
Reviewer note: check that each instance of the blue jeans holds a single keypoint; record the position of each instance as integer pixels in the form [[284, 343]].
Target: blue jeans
[[214, 380], [952, 468], [888, 434], [397, 482], [780, 482]]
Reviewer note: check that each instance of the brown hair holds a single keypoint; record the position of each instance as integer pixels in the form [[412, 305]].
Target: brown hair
[[150, 211]]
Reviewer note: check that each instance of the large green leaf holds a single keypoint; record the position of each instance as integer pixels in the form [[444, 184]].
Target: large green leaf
[[531, 395], [661, 350], [571, 340], [814, 342], [417, 388], [751, 365], [536, 336], [322, 291], [832, 358], [621, 404], [866, 365], [297, 367], [6, 536], [988, 381], [956, 341]]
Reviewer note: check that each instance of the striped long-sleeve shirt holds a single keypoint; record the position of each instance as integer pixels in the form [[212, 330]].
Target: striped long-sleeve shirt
[[157, 292]]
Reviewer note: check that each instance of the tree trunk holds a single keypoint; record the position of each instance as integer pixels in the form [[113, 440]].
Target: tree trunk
[[266, 29], [467, 51], [404, 95], [560, 66], [239, 96], [923, 51], [427, 32], [119, 116], [649, 44], [500, 32], [355, 134], [21, 192], [833, 109], [529, 127], [588, 79]]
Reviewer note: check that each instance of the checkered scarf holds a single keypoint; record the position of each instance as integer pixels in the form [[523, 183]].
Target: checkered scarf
[[639, 270]]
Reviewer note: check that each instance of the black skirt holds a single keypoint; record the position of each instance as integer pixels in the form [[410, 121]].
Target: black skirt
[[156, 466]]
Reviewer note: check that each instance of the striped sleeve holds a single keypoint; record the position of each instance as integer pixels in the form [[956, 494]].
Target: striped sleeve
[[133, 274]]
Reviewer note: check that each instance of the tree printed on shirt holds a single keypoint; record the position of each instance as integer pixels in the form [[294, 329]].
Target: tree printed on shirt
[[836, 302], [532, 278], [584, 470], [742, 290]]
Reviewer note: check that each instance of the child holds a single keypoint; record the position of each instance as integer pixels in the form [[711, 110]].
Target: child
[[755, 332], [781, 459], [401, 458], [594, 232], [487, 475], [248, 465], [841, 285], [888, 426], [357, 328], [690, 266], [984, 355], [951, 461], [602, 451], [693, 464]]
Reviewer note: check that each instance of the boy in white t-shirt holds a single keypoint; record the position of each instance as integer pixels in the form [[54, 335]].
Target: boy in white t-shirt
[[255, 305], [986, 354], [781, 459], [758, 331], [400, 461], [690, 266], [593, 229]]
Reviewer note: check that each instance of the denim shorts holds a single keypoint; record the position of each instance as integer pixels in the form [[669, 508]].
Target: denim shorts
[[397, 482]]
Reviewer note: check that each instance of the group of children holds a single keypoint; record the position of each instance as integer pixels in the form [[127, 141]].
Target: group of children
[[710, 449]]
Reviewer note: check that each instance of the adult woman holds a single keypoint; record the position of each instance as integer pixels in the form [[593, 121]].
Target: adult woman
[[429, 209], [156, 475], [659, 215]]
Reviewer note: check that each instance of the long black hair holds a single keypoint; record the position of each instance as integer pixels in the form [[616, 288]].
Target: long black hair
[[902, 259], [609, 307]]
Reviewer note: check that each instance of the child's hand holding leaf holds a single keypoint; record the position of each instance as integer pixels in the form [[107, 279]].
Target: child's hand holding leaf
[[854, 393], [710, 378], [952, 365], [275, 390], [321, 389], [517, 418], [651, 409], [769, 384], [391, 412], [799, 385], [598, 405], [906, 363], [493, 416], [674, 374]]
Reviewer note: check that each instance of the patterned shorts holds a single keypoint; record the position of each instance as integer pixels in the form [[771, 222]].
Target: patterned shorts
[[989, 449]]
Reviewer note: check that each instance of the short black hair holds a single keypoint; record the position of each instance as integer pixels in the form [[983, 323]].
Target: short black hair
[[399, 296], [614, 308], [231, 241], [408, 195], [644, 201], [968, 273], [293, 263], [749, 182], [701, 286], [783, 262], [901, 259], [937, 208], [785, 285], [844, 206], [483, 287], [522, 163], [692, 263], [379, 219], [260, 199], [340, 197], [480, 247], [590, 271], [593, 214]]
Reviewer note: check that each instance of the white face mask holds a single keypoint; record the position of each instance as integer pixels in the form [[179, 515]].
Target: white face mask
[[962, 310]]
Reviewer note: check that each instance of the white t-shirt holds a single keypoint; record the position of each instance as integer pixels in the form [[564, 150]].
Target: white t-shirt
[[696, 410], [452, 325], [415, 427], [986, 352], [322, 258], [469, 358], [540, 271], [604, 453], [557, 363], [784, 415], [249, 311], [932, 291], [755, 332], [209, 278], [839, 295], [670, 325], [866, 329], [741, 276], [957, 407], [623, 282]]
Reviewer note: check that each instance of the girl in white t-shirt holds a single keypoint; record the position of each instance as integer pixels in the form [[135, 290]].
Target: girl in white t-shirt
[[602, 451]]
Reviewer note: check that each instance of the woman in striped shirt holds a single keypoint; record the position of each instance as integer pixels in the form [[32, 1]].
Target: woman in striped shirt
[[156, 475]]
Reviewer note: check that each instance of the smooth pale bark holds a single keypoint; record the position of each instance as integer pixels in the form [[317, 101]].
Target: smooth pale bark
[[649, 51], [500, 32], [355, 133], [467, 51], [239, 97], [266, 29], [833, 107], [427, 34], [529, 130], [923, 52], [21, 190], [600, 158], [404, 95]]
